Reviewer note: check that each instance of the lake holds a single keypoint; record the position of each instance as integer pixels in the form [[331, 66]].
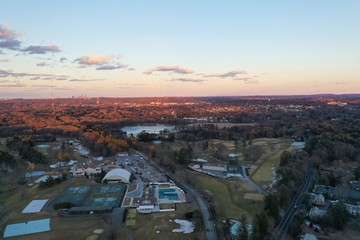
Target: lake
[[135, 130]]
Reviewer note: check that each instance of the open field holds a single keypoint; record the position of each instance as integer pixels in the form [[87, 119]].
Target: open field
[[231, 198], [263, 173], [70, 228], [230, 147], [148, 224], [15, 197]]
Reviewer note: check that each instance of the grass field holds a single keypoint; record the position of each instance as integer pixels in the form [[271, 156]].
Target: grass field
[[148, 225], [14, 198], [267, 164], [231, 198]]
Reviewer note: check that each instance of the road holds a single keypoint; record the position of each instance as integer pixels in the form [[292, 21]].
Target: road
[[281, 229], [209, 223], [251, 183]]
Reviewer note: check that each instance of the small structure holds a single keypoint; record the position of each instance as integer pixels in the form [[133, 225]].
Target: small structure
[[108, 168], [200, 160], [316, 213], [233, 171], [318, 200], [355, 185], [233, 155], [90, 171], [146, 209], [325, 190], [353, 209], [214, 167], [308, 236], [117, 175], [122, 154], [90, 210]]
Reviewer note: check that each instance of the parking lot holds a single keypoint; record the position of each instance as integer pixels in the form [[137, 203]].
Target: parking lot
[[143, 171]]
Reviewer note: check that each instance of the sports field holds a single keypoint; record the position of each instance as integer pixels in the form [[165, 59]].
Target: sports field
[[83, 196]]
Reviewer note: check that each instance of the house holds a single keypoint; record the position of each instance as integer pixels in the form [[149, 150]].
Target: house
[[353, 209], [355, 185], [318, 200], [91, 171], [77, 172], [315, 213]]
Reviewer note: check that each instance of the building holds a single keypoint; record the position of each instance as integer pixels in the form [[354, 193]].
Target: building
[[353, 209], [108, 168], [308, 236], [90, 210], [117, 175], [146, 209], [318, 200], [214, 167], [315, 213], [355, 185], [91, 171], [233, 171], [159, 197]]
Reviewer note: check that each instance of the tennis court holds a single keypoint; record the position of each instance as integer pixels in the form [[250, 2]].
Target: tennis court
[[86, 196]]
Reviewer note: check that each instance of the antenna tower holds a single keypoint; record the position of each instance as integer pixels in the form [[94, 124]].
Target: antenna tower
[[97, 96]]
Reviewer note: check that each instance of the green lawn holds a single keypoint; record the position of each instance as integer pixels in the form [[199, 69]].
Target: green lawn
[[269, 162], [231, 198]]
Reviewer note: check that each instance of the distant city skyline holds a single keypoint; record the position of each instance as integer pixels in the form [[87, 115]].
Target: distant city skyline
[[178, 48]]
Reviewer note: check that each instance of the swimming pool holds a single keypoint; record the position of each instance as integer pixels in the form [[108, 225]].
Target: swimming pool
[[168, 194]]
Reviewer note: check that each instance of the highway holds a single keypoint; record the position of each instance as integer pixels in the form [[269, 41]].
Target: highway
[[281, 229], [209, 224]]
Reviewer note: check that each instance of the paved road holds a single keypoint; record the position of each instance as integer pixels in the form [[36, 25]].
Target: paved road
[[251, 183], [209, 224], [281, 229]]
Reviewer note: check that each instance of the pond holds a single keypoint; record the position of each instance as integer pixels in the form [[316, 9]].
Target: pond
[[43, 146], [135, 130]]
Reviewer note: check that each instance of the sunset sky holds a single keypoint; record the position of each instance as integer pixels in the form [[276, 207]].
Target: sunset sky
[[178, 48]]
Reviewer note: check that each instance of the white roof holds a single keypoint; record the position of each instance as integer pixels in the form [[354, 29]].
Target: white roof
[[142, 207], [35, 206], [118, 174], [309, 236]]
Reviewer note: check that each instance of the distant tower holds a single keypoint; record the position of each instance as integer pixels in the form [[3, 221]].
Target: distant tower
[[52, 96], [97, 96]]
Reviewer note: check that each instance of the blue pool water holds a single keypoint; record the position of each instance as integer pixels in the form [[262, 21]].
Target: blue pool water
[[168, 193]]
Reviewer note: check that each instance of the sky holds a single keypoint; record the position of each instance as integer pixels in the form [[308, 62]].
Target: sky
[[178, 48]]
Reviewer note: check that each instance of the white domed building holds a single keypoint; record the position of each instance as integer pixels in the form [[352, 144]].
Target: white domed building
[[117, 175]]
